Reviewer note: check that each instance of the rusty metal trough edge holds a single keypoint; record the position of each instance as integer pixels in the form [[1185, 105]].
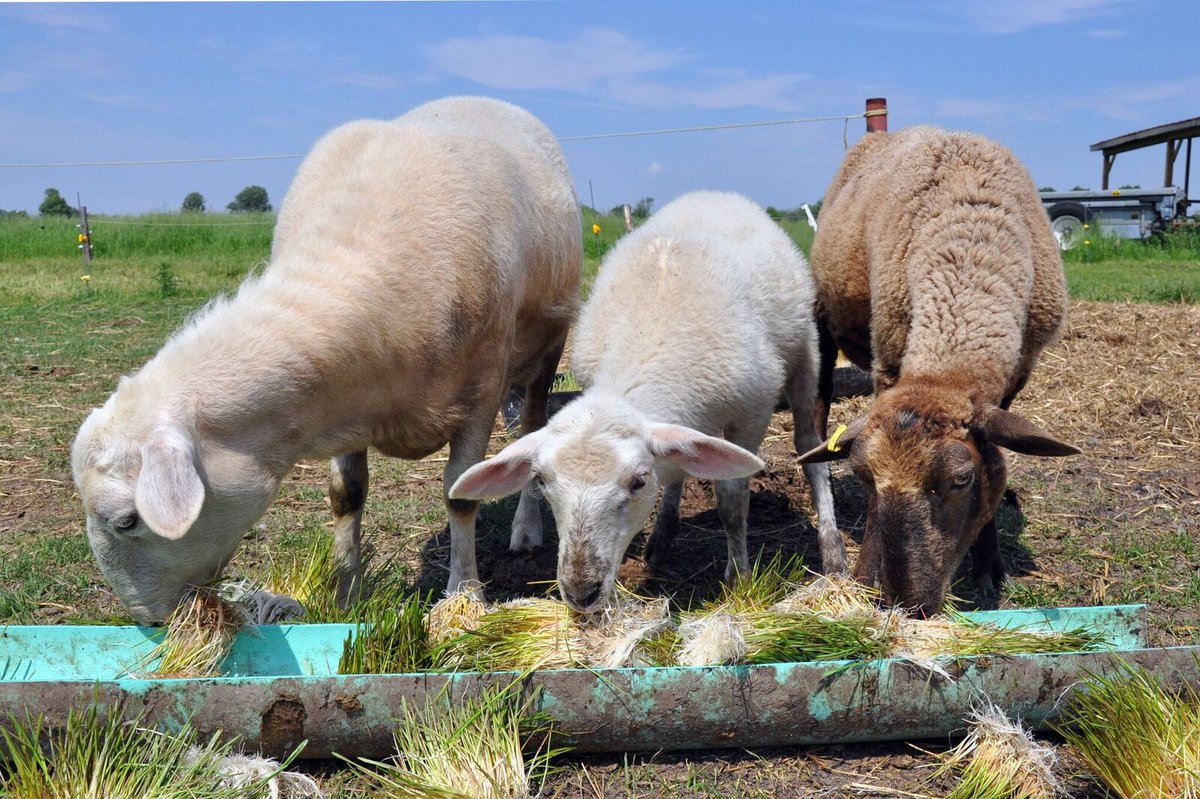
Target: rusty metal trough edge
[[636, 709]]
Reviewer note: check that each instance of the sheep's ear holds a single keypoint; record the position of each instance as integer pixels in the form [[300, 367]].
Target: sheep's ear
[[706, 457], [1006, 429], [169, 492], [506, 473], [837, 446]]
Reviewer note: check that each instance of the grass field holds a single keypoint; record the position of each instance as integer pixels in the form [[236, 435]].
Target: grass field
[[1118, 525]]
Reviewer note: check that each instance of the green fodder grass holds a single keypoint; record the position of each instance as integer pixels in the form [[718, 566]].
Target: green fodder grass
[[1139, 738], [95, 756], [491, 747]]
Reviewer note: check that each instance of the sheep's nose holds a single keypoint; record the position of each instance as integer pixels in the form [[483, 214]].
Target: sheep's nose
[[583, 597]]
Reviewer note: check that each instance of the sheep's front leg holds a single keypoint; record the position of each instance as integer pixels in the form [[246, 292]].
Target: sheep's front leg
[[666, 525], [467, 448], [733, 506], [347, 493], [527, 524], [808, 414]]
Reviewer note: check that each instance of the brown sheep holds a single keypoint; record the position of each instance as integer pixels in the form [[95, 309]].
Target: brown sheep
[[935, 269]]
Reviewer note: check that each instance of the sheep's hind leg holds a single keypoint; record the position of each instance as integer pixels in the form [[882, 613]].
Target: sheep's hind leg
[[666, 525], [808, 415], [527, 523], [348, 480]]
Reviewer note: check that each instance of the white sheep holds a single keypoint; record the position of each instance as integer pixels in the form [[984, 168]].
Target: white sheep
[[936, 268], [696, 323], [419, 267]]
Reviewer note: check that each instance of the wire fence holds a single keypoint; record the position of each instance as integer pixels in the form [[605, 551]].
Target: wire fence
[[589, 137]]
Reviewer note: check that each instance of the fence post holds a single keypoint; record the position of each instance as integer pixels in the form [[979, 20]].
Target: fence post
[[85, 235], [877, 114], [628, 220]]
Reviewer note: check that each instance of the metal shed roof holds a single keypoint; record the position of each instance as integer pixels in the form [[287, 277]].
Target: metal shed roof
[[1158, 134]]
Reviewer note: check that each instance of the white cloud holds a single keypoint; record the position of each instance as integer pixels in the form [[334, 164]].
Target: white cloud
[[14, 81], [1013, 16], [1133, 103], [654, 168], [523, 63], [609, 65]]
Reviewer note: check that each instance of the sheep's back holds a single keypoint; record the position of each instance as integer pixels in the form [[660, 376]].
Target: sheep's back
[[936, 242], [700, 312]]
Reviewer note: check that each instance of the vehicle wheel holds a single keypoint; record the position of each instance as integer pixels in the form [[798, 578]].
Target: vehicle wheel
[[1067, 221]]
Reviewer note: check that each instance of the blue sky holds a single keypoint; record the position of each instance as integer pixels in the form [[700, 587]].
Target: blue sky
[[100, 82]]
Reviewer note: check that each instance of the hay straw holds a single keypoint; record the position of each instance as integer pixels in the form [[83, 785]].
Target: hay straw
[[200, 632], [544, 633], [618, 637], [519, 635], [999, 759], [711, 640], [454, 614], [1140, 739], [467, 749]]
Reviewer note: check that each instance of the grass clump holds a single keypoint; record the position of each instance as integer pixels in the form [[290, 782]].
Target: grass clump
[[92, 757], [999, 759], [308, 572], [199, 634], [492, 747], [1140, 739], [397, 642]]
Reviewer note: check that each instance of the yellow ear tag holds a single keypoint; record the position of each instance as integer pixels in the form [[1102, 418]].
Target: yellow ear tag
[[833, 445]]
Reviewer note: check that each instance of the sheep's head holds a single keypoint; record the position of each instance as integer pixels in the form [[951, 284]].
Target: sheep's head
[[599, 463], [930, 461], [164, 510]]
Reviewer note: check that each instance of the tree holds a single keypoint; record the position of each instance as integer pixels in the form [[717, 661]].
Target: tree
[[194, 203], [251, 198], [642, 209], [53, 204]]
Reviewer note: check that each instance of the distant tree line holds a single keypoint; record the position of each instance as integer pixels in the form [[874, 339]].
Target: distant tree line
[[251, 198]]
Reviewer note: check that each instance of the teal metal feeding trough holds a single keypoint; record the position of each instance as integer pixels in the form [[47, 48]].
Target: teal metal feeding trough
[[280, 688]]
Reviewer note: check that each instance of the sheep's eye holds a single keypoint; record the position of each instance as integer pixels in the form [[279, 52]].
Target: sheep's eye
[[963, 480], [124, 524], [637, 483], [538, 481]]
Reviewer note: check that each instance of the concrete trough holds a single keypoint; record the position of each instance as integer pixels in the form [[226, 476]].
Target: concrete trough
[[281, 688]]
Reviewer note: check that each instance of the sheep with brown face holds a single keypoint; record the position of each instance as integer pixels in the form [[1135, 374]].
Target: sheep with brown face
[[420, 266], [935, 269]]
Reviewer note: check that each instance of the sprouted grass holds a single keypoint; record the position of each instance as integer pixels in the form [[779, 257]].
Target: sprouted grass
[[999, 759], [1140, 739], [199, 634], [309, 574], [95, 757], [493, 747], [396, 642]]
